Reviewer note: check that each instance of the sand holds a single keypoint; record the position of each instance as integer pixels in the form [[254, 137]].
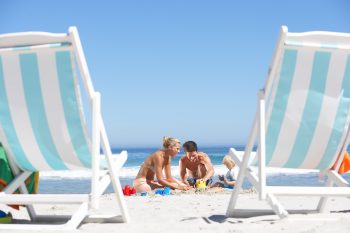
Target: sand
[[205, 212]]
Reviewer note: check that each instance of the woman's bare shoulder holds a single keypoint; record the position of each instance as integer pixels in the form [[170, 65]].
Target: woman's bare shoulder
[[157, 155]]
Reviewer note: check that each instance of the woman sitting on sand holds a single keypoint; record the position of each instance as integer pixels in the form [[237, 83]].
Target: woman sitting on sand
[[154, 166]]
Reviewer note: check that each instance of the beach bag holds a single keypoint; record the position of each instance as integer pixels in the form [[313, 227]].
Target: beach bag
[[6, 176]]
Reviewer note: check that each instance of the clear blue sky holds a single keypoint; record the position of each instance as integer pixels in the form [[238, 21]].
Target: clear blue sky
[[186, 69]]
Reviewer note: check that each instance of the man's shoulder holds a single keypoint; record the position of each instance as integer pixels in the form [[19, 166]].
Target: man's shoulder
[[204, 155]]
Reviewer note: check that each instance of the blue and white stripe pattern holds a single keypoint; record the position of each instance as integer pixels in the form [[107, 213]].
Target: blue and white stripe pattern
[[308, 111], [41, 118]]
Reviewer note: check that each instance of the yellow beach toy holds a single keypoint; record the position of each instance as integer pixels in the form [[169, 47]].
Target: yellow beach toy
[[200, 184]]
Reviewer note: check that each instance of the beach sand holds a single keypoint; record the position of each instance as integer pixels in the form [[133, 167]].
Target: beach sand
[[205, 212]]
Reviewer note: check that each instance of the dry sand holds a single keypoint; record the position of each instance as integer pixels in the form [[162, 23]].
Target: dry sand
[[205, 212]]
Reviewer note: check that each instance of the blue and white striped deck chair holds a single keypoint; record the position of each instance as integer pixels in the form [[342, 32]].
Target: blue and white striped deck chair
[[302, 119], [42, 124]]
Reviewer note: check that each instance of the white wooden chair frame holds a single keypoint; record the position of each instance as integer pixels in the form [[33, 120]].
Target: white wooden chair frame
[[258, 132], [87, 202]]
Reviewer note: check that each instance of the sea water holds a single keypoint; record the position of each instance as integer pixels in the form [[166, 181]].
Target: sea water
[[79, 182]]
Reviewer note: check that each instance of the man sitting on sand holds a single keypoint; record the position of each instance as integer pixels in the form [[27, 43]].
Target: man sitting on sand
[[195, 165]]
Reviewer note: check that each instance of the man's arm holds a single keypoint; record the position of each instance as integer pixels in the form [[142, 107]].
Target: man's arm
[[209, 167]]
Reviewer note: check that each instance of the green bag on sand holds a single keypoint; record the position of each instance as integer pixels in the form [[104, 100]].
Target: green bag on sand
[[6, 175], [5, 218]]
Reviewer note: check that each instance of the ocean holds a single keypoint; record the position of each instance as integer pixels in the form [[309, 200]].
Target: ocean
[[78, 181]]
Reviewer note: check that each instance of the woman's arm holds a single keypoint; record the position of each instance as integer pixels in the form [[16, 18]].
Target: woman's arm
[[171, 179], [168, 175], [159, 160], [183, 175]]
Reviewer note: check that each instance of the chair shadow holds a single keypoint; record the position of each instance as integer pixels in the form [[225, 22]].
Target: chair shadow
[[340, 211], [44, 219], [104, 219], [258, 215], [65, 218], [218, 218], [244, 213]]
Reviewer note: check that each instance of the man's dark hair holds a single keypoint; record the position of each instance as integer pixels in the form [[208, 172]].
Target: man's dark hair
[[190, 146]]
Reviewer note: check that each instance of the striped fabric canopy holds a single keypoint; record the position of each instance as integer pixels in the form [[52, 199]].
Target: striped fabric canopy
[[41, 119], [308, 110]]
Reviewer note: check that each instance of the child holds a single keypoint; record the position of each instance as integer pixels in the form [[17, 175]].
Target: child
[[229, 180]]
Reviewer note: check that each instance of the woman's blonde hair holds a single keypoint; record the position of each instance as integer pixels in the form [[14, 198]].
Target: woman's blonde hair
[[169, 142], [228, 161]]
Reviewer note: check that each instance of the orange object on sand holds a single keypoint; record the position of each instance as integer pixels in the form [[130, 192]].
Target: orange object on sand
[[345, 164]]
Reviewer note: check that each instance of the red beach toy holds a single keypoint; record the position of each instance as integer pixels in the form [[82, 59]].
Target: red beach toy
[[126, 190]]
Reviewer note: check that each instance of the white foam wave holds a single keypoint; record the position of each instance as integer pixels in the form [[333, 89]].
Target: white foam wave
[[130, 172]]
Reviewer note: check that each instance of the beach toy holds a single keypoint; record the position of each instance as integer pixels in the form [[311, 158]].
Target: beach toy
[[166, 191], [133, 191], [200, 184], [159, 192], [126, 190], [144, 193]]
